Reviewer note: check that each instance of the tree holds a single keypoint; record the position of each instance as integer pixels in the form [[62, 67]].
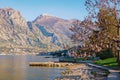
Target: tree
[[81, 31], [105, 14]]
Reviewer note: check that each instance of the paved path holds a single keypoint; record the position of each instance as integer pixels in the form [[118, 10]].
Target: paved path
[[114, 74]]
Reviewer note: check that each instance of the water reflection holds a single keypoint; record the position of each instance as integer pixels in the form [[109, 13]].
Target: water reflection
[[17, 68]]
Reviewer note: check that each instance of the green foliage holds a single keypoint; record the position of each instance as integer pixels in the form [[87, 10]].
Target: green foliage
[[59, 53], [93, 73], [81, 58], [107, 73], [104, 54]]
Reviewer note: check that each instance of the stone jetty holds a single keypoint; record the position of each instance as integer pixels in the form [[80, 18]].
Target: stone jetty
[[50, 64]]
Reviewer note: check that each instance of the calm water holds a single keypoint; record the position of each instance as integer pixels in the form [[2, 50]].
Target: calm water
[[13, 67]]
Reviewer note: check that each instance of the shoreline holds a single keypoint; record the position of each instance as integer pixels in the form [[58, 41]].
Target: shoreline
[[82, 71]]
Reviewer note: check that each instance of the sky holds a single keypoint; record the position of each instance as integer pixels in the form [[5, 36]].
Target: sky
[[30, 9]]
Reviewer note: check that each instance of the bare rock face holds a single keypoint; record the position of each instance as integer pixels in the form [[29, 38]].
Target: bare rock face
[[46, 20], [17, 33], [58, 26], [45, 33], [12, 16], [61, 28], [45, 38], [13, 27]]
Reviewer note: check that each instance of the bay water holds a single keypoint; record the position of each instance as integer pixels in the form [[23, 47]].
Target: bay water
[[16, 67]]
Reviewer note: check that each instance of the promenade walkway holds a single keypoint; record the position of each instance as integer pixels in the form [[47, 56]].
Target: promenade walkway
[[114, 74]]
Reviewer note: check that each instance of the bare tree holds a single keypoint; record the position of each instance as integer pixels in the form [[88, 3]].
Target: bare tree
[[105, 13]]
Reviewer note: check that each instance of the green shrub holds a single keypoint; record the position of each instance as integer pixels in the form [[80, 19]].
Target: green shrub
[[107, 53]]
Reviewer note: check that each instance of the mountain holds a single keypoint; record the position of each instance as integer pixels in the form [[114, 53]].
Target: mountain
[[45, 33], [19, 35], [12, 24], [60, 27]]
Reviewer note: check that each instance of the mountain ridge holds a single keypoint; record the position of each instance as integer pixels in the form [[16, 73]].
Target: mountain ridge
[[45, 33]]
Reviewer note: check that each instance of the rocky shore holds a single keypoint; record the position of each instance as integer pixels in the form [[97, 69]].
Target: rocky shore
[[82, 72]]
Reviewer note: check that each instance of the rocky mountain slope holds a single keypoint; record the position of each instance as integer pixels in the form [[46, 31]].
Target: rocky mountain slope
[[16, 33], [58, 26], [14, 30], [45, 33]]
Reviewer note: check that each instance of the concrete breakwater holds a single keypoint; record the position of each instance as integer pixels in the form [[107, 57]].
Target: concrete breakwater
[[50, 64]]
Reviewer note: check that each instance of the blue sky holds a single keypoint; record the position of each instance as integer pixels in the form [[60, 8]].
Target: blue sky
[[30, 9]]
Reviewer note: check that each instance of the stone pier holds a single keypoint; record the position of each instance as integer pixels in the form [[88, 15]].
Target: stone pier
[[49, 64]]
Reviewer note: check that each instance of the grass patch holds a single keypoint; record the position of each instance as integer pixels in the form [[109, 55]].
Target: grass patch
[[110, 62]]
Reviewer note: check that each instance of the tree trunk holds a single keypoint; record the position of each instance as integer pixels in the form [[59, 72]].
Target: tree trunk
[[118, 58]]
